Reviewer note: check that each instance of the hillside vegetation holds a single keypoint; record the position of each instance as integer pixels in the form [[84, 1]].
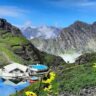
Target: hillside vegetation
[[79, 79]]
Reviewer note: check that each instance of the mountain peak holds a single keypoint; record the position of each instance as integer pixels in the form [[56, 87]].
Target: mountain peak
[[94, 23], [3, 20], [80, 23], [4, 25], [45, 32]]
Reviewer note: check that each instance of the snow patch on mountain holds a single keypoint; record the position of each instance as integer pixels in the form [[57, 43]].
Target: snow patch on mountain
[[44, 32], [70, 57]]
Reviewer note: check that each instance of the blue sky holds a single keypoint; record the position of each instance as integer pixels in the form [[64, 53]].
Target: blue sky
[[48, 12]]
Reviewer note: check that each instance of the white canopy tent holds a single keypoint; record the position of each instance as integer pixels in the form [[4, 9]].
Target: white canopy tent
[[13, 66], [14, 70]]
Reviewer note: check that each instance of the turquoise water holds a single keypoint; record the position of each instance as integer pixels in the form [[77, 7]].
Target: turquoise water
[[34, 78], [7, 90], [39, 67]]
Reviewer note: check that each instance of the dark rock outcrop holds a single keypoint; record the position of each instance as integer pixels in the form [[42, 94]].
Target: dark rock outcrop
[[4, 25], [86, 58]]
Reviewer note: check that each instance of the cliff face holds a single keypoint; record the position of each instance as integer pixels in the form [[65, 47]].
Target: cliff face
[[17, 48], [78, 37]]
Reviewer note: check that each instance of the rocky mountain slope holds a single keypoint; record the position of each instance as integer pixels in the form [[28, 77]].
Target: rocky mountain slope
[[44, 32], [79, 37], [14, 47]]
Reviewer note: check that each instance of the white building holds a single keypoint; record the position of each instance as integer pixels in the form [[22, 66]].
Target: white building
[[14, 70], [19, 72]]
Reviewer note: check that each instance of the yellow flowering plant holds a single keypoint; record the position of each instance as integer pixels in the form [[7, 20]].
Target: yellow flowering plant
[[49, 78], [94, 65], [47, 84], [29, 93], [48, 87]]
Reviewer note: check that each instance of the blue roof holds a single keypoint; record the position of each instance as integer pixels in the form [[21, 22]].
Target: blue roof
[[39, 67], [7, 90]]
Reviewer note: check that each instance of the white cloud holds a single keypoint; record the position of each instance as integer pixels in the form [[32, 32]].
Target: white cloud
[[11, 11], [75, 3], [87, 4], [28, 23]]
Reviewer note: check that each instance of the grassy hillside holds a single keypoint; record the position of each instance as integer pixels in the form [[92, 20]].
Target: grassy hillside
[[8, 43], [76, 78]]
